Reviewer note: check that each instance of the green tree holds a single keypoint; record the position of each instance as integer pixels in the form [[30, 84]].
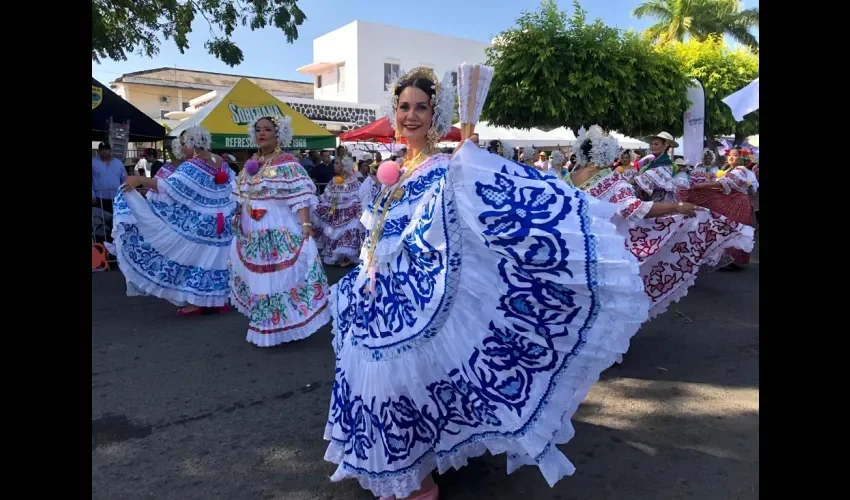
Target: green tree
[[699, 19], [722, 72], [122, 26], [553, 71]]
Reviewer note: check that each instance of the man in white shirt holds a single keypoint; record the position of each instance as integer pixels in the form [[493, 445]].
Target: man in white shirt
[[143, 166]]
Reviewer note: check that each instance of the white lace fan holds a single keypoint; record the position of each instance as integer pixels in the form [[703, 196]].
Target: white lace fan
[[473, 83]]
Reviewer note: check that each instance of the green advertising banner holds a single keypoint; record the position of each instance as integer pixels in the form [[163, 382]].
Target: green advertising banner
[[234, 141]]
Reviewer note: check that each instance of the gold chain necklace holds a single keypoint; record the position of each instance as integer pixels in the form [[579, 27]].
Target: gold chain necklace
[[244, 179], [394, 192]]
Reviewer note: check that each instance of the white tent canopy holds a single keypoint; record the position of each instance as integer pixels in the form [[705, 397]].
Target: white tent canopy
[[517, 137], [559, 137], [361, 150], [564, 134], [628, 142]]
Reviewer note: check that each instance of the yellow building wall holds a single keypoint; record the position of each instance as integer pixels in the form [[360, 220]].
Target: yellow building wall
[[147, 99]]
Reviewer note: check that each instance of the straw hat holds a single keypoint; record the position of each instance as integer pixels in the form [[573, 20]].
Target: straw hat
[[665, 136]]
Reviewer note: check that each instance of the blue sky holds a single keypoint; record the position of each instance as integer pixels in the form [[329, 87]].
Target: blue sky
[[267, 53]]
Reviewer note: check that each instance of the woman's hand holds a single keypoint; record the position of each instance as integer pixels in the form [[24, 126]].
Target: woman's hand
[[306, 230], [688, 209], [132, 182]]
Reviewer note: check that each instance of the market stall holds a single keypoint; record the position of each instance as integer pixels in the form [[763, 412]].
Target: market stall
[[106, 104]]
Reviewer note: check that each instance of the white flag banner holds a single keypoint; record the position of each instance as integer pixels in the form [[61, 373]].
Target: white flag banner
[[744, 101], [692, 140]]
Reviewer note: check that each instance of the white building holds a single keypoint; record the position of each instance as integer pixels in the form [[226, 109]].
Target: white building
[[354, 63]]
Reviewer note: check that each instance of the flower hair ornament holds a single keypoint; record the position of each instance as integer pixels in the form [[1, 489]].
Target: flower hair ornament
[[604, 149], [177, 149], [709, 152], [196, 137], [442, 102], [282, 129], [745, 155], [558, 159], [507, 151]]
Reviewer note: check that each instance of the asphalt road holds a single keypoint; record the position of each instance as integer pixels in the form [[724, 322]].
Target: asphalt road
[[184, 408]]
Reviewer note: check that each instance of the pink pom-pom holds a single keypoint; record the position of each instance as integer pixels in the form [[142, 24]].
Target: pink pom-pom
[[252, 167], [388, 173]]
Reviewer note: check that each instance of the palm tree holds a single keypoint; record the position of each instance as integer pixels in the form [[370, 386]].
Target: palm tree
[[699, 19], [729, 19]]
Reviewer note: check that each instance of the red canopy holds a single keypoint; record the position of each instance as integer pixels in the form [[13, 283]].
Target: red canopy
[[381, 131]]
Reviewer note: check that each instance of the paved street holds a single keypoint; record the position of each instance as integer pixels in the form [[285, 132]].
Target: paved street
[[184, 408]]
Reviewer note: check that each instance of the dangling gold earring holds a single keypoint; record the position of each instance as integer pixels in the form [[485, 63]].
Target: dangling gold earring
[[397, 135], [433, 138]]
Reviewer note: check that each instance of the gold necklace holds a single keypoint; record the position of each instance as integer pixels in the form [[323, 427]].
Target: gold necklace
[[245, 181], [394, 192], [273, 152]]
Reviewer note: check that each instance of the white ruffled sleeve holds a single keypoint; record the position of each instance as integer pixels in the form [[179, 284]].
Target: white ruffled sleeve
[[193, 185], [629, 206], [655, 178]]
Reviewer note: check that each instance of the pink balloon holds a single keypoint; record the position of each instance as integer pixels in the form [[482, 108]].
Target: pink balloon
[[388, 173]]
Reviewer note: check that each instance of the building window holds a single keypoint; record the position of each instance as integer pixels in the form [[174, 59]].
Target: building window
[[391, 71], [163, 112], [454, 78], [186, 105], [319, 82]]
